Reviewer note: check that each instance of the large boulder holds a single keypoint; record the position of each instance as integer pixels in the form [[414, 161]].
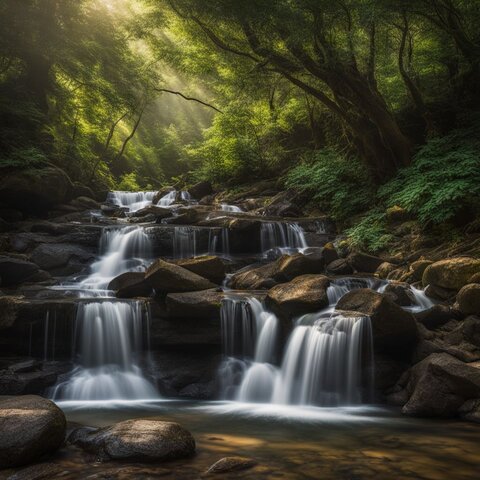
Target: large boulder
[[364, 263], [394, 329], [14, 271], [255, 278], [201, 304], [468, 299], [201, 189], [207, 266], [339, 267], [439, 385], [401, 293], [30, 427], [130, 284], [436, 316], [304, 294], [142, 440], [51, 256], [451, 273], [168, 277], [35, 189], [158, 212]]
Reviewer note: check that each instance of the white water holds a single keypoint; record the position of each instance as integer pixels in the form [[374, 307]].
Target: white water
[[132, 200], [219, 242], [107, 346], [230, 208], [184, 242], [281, 236], [168, 199]]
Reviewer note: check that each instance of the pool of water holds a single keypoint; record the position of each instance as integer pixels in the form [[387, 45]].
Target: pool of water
[[289, 442]]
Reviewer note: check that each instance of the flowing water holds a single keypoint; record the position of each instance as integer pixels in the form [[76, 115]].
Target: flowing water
[[132, 200], [282, 236]]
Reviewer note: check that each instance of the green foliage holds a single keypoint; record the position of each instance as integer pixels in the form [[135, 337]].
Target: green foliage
[[128, 182], [336, 184], [370, 233], [24, 158], [443, 180]]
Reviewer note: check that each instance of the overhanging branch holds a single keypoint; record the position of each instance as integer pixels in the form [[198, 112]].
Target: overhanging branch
[[185, 97]]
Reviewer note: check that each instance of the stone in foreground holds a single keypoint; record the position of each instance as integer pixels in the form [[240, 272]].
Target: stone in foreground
[[142, 440], [30, 427], [231, 464]]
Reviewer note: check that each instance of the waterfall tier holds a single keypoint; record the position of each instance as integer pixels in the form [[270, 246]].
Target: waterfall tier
[[132, 200]]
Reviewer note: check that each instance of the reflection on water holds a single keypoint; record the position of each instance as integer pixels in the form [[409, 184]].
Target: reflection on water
[[290, 442]]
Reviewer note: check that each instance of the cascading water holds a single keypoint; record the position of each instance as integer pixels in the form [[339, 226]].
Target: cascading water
[[132, 200], [125, 249], [168, 199], [230, 208], [340, 286], [219, 242], [327, 361], [281, 236], [184, 242], [107, 346]]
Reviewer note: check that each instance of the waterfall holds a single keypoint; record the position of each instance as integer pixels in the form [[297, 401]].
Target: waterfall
[[219, 242], [184, 242], [123, 249], [324, 363], [132, 200], [281, 236], [168, 199], [327, 361], [230, 208], [340, 286], [185, 196], [108, 341]]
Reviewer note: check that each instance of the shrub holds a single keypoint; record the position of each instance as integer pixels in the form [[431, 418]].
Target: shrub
[[370, 233], [443, 180], [338, 185]]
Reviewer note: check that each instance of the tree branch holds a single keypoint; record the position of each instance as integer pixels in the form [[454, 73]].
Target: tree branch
[[193, 99]]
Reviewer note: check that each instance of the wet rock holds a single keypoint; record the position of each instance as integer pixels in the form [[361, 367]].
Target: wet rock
[[288, 267], [329, 253], [470, 410], [158, 212], [22, 383], [384, 269], [467, 331], [42, 471], [439, 293], [255, 278], [339, 267], [451, 273], [364, 263], [231, 464], [161, 193], [207, 266], [11, 215], [439, 385], [55, 255], [168, 277], [14, 271], [201, 304], [199, 391], [417, 269], [400, 293], [35, 189], [142, 440], [436, 316], [201, 189], [31, 427], [85, 203], [130, 284], [468, 299], [304, 294], [394, 329]]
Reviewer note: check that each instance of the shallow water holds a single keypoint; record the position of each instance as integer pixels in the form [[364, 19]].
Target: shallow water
[[290, 442]]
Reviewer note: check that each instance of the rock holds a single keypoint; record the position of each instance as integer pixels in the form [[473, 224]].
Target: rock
[[288, 267], [329, 253], [22, 383], [467, 331], [417, 269], [439, 385], [14, 271], [451, 273], [168, 277], [231, 464], [439, 293], [31, 427], [304, 294], [468, 299], [81, 190], [470, 410], [161, 193], [11, 215], [396, 214], [436, 316], [339, 267], [42, 471], [142, 440], [199, 391], [400, 293], [394, 329], [85, 203], [364, 263], [207, 266], [50, 256], [384, 269], [201, 189], [158, 212], [201, 304], [130, 284], [35, 189]]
